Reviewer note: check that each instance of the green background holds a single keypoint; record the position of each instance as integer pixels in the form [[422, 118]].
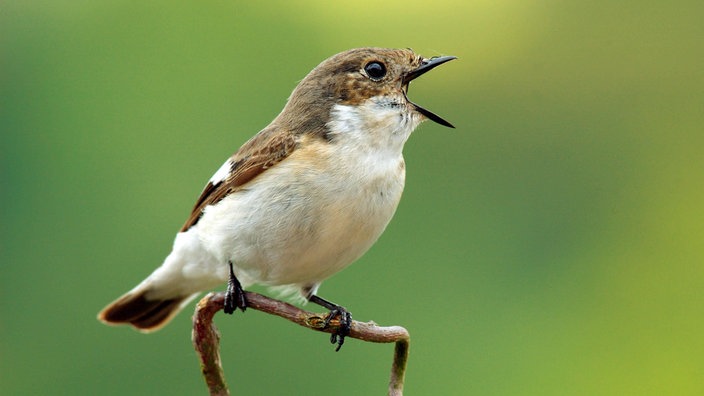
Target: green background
[[551, 245]]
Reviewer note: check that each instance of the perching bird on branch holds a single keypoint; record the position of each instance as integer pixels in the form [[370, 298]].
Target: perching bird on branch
[[302, 199]]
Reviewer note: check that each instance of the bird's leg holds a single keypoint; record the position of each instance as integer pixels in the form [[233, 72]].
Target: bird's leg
[[234, 296], [345, 319]]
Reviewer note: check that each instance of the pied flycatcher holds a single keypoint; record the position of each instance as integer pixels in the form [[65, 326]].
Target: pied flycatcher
[[302, 199]]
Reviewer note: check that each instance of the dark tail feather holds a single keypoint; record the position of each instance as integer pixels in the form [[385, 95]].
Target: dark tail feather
[[144, 314]]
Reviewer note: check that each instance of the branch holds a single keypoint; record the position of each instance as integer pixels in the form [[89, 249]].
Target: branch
[[206, 338]]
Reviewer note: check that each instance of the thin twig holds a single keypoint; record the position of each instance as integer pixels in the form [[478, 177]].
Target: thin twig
[[206, 338]]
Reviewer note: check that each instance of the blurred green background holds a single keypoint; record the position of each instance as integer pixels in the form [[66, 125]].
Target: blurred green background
[[551, 245]]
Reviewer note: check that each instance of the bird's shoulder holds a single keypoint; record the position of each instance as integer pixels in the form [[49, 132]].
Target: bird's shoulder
[[264, 150]]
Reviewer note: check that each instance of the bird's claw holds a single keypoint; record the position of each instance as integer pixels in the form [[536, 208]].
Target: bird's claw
[[338, 337], [234, 296]]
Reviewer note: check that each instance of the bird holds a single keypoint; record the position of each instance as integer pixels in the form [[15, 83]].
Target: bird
[[299, 201]]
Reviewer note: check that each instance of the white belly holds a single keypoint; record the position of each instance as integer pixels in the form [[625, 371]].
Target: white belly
[[306, 218]]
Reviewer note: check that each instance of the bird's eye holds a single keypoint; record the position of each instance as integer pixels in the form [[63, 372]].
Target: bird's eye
[[375, 70]]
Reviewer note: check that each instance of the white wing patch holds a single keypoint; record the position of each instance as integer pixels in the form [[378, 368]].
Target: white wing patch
[[222, 173]]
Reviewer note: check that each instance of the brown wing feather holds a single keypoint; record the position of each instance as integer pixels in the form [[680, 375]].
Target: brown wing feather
[[263, 151]]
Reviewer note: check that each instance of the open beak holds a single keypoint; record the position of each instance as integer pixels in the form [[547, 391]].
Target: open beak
[[426, 66]]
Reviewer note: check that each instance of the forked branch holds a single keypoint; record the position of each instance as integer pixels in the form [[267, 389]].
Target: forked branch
[[206, 338]]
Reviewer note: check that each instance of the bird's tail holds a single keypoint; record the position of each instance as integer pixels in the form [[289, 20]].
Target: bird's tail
[[144, 313]]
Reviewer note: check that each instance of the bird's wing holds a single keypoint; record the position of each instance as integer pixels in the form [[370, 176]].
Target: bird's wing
[[263, 151]]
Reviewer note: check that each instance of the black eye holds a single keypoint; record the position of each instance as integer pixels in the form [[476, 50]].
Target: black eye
[[375, 70]]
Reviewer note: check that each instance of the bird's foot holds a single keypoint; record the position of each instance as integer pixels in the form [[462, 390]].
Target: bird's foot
[[338, 337], [234, 296], [343, 331]]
